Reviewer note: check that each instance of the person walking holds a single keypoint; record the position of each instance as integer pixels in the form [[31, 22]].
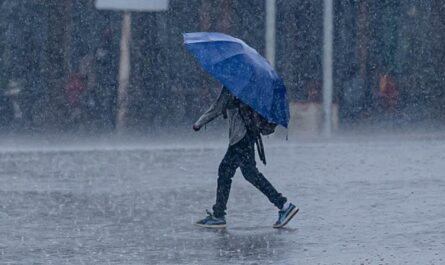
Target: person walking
[[240, 154]]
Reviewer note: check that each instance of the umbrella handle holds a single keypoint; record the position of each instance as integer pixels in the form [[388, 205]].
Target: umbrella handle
[[212, 91]]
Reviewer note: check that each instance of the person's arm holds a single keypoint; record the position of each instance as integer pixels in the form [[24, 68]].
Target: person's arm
[[214, 111]]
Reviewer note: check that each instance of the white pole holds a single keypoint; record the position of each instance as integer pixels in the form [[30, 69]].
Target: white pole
[[124, 72], [328, 21], [270, 30]]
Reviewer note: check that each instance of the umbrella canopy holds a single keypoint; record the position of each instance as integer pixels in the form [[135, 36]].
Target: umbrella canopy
[[245, 73]]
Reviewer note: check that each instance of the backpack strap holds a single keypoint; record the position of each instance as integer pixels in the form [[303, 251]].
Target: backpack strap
[[252, 130], [260, 148], [246, 114]]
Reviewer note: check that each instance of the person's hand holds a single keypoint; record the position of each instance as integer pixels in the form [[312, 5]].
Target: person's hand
[[196, 128]]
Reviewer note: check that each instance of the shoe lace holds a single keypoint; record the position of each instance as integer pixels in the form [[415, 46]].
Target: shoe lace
[[209, 213]]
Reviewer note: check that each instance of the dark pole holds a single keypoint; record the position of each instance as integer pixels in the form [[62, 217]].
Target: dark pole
[[363, 40], [58, 25]]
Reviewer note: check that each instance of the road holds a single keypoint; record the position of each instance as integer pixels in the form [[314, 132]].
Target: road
[[362, 201]]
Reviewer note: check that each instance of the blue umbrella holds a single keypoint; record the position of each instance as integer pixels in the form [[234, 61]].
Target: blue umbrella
[[243, 71]]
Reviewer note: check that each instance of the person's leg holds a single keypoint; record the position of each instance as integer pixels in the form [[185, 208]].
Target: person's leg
[[226, 171], [251, 174]]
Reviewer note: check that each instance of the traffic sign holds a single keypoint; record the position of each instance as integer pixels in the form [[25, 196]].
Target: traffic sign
[[133, 5]]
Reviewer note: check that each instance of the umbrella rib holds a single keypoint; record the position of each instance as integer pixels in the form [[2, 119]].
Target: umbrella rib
[[225, 59], [242, 44]]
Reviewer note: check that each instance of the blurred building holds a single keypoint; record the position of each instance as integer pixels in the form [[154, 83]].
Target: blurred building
[[386, 52]]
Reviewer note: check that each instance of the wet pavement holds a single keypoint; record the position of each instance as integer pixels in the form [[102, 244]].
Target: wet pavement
[[362, 202]]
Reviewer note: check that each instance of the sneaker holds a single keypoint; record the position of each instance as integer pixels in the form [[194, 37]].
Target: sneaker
[[211, 221], [285, 215]]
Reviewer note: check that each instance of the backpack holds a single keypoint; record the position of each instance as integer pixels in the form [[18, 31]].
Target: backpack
[[256, 123]]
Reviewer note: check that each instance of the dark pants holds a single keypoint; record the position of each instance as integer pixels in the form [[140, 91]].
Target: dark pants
[[242, 155]]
